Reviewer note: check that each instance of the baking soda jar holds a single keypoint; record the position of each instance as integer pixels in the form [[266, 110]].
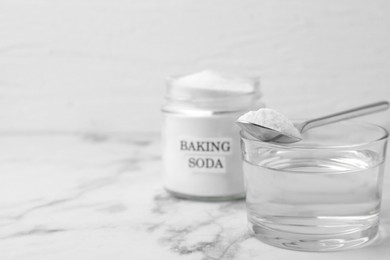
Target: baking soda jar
[[201, 144]]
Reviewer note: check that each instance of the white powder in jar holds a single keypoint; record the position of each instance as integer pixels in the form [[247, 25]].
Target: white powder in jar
[[209, 84], [201, 148]]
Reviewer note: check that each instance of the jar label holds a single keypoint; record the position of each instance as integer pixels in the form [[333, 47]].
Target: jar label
[[205, 155]]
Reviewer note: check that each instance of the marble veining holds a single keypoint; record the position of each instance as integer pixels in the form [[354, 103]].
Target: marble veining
[[200, 227], [100, 196]]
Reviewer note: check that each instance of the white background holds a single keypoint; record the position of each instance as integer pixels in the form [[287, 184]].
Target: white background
[[100, 65]]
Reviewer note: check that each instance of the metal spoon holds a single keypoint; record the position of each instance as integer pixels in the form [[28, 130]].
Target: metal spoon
[[268, 134]]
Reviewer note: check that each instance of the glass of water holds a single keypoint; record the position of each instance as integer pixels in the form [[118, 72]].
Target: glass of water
[[320, 194]]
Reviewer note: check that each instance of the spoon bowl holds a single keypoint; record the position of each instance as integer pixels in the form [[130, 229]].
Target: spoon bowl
[[267, 134]]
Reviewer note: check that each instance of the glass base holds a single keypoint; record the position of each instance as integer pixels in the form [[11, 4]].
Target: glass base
[[207, 198], [314, 242]]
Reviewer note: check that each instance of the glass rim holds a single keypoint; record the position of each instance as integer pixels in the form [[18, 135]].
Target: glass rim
[[298, 145]]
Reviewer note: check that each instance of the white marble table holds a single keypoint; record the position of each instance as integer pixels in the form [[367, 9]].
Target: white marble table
[[90, 196]]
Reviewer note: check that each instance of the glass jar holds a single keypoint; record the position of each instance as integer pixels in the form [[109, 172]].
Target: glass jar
[[201, 147]]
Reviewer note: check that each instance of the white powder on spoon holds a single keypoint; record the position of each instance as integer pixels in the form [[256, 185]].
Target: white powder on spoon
[[271, 119]]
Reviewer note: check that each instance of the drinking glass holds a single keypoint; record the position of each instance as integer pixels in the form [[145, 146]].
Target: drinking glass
[[320, 194]]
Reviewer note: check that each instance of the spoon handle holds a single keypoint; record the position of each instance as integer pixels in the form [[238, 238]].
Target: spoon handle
[[343, 115]]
